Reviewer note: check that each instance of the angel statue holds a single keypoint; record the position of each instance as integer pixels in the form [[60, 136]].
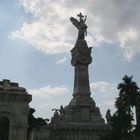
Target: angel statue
[[80, 25]]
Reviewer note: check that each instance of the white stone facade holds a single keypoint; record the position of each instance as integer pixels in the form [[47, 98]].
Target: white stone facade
[[14, 107]]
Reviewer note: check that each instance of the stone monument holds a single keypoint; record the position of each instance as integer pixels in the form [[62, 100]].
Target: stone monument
[[81, 119], [14, 111]]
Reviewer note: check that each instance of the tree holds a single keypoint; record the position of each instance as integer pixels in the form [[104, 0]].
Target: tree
[[121, 121], [34, 123], [137, 130], [129, 88], [138, 111]]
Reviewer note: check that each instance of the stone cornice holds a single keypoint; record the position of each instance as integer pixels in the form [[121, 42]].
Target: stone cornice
[[78, 126], [12, 97], [10, 86], [10, 92]]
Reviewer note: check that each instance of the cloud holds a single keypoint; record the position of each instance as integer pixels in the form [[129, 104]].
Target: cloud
[[48, 90], [46, 98], [61, 61], [102, 86], [42, 37], [108, 21], [129, 41]]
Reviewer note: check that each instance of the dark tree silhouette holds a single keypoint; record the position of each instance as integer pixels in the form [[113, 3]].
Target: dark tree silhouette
[[138, 111], [121, 121], [34, 123], [137, 130], [129, 88]]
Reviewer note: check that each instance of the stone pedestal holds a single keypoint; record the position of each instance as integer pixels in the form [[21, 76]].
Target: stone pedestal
[[77, 131], [14, 107], [81, 119]]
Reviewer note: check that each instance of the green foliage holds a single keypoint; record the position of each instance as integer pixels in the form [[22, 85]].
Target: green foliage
[[129, 89], [138, 110], [121, 121], [137, 130], [34, 123]]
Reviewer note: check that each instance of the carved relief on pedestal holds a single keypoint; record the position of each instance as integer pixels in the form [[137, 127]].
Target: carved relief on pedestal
[[81, 55]]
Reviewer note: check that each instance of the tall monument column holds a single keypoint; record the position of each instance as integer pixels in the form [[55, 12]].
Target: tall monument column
[[81, 58], [80, 119]]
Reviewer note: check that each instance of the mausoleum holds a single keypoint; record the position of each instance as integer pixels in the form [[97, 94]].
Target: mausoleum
[[14, 111]]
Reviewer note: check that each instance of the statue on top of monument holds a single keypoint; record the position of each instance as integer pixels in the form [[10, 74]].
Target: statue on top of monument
[[80, 25]]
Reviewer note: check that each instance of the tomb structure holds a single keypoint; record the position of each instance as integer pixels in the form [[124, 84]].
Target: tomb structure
[[14, 111]]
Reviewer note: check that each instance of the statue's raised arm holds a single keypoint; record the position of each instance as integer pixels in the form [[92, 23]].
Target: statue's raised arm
[[80, 25]]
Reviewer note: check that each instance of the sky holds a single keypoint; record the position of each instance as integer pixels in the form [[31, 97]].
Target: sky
[[36, 38]]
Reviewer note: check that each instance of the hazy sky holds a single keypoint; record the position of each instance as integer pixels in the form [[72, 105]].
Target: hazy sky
[[37, 36]]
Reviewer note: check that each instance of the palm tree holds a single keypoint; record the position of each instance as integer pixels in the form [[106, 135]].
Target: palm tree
[[129, 89], [121, 120]]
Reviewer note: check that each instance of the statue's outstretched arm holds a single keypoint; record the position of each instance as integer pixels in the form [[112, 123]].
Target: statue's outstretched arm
[[85, 18]]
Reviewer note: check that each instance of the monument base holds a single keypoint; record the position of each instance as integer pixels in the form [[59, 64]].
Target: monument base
[[77, 131], [81, 119]]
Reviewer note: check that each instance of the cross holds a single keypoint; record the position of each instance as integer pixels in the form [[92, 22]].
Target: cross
[[80, 15]]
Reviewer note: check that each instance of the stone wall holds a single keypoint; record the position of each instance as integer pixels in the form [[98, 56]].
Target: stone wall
[[14, 106]]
